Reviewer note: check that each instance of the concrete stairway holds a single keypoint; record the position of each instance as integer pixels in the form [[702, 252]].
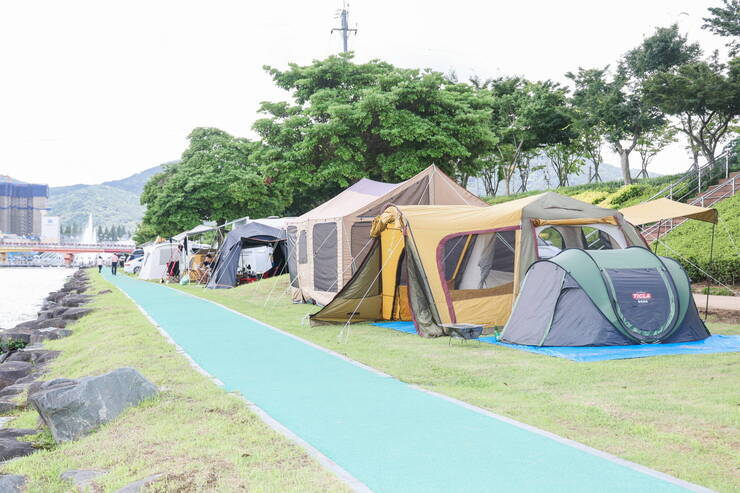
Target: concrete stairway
[[727, 187]]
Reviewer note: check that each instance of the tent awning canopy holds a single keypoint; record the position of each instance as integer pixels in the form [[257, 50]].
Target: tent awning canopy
[[660, 209], [201, 228]]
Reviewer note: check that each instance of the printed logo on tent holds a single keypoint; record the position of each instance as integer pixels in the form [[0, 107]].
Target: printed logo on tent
[[642, 297]]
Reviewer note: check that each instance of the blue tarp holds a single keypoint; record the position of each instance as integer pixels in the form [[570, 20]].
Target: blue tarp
[[712, 344]]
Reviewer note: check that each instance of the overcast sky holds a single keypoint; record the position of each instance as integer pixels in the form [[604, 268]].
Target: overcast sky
[[98, 90]]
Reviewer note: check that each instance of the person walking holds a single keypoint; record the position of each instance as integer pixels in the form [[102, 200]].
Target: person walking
[[113, 264], [100, 264]]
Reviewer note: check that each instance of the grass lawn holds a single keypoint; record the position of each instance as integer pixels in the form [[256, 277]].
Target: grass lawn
[[677, 414], [197, 435]]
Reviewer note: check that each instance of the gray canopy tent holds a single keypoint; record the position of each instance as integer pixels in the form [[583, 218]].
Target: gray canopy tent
[[253, 234]]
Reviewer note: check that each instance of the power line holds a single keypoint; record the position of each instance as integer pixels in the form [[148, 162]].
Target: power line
[[343, 16]]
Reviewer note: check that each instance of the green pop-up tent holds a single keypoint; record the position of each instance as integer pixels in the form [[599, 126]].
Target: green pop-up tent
[[604, 298]]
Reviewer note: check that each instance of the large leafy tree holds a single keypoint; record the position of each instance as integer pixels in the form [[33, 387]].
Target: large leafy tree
[[217, 180], [526, 117], [616, 102], [347, 121], [704, 96], [725, 21]]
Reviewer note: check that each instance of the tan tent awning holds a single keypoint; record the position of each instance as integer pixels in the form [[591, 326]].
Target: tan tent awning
[[660, 209]]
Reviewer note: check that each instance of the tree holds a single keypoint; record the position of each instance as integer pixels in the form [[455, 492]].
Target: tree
[[566, 159], [661, 51], [348, 121], [216, 180], [526, 117], [650, 144], [725, 22], [704, 96]]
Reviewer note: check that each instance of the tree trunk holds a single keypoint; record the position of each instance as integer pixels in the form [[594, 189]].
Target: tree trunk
[[624, 159]]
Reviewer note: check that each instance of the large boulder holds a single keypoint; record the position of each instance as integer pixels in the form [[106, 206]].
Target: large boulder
[[42, 324], [10, 371], [75, 313], [81, 478], [50, 333], [72, 408], [75, 300], [11, 448], [55, 296], [12, 483], [13, 390], [35, 356]]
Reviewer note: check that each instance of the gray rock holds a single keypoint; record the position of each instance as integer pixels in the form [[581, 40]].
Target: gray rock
[[75, 300], [49, 333], [75, 313], [10, 371], [13, 390], [56, 296], [104, 291], [35, 356], [81, 477], [30, 378], [137, 486], [12, 483], [41, 324], [71, 410], [10, 448], [7, 404], [16, 432], [16, 335]]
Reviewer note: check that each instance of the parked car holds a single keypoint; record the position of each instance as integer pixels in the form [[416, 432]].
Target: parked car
[[133, 265]]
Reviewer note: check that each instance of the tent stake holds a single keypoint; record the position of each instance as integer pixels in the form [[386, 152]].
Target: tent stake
[[709, 281]]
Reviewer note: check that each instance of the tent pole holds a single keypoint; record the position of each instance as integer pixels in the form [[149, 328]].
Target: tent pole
[[657, 240], [709, 278]]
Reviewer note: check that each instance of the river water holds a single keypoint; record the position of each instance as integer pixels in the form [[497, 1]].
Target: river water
[[23, 289]]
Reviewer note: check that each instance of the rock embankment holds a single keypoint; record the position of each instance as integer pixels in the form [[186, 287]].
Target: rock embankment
[[70, 408], [23, 359]]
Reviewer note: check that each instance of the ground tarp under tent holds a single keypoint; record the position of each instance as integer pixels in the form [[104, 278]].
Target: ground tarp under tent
[[328, 243], [441, 265], [255, 247], [604, 298]]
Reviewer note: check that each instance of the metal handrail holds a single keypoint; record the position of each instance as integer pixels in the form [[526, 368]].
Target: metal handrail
[[694, 172], [700, 200]]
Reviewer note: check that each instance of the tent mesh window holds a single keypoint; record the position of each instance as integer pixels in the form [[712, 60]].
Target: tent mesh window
[[596, 239], [359, 243], [480, 261], [302, 248], [292, 234], [325, 257]]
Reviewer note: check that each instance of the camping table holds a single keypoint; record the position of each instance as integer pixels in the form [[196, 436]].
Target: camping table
[[464, 332]]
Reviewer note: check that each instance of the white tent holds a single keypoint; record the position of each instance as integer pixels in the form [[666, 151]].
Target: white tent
[[154, 265]]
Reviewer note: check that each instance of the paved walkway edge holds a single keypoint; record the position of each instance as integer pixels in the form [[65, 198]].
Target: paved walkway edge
[[345, 476]]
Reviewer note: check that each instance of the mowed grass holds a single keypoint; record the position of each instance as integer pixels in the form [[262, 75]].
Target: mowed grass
[[194, 433], [676, 414]]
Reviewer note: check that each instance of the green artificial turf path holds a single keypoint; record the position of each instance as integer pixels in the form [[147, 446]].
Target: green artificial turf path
[[390, 436]]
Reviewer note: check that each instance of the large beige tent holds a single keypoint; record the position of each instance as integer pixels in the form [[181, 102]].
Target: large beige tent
[[458, 264], [328, 243]]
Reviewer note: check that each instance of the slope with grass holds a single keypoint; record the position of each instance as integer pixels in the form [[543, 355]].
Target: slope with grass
[[676, 414], [197, 435], [693, 239]]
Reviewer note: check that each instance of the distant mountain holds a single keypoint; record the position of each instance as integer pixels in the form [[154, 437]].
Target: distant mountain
[[111, 203], [135, 183], [546, 178]]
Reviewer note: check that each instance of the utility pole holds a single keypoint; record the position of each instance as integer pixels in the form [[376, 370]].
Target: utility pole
[[344, 19]]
